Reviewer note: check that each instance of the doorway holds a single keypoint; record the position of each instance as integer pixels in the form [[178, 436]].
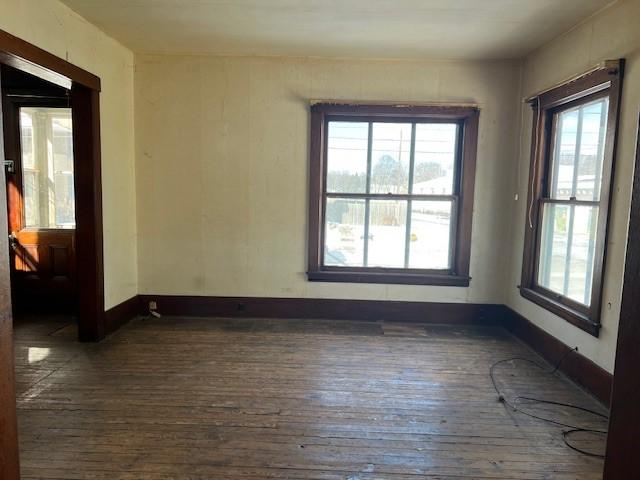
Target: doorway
[[63, 265], [82, 89], [39, 177]]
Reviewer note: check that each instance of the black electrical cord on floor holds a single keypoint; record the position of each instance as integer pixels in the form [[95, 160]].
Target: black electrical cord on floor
[[514, 404]]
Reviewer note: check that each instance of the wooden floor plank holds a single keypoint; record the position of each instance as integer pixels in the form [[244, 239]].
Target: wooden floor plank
[[254, 398]]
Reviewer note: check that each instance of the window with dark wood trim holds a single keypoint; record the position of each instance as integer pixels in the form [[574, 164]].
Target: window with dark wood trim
[[573, 151], [391, 193]]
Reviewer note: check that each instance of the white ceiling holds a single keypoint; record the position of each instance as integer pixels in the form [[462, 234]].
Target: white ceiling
[[451, 29]]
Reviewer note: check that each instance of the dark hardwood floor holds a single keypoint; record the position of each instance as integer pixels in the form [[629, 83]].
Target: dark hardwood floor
[[177, 398]]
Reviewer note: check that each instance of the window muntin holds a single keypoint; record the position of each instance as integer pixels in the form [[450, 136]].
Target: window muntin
[[389, 225]]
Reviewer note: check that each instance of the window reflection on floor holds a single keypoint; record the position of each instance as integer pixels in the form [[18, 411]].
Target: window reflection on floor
[[37, 354]]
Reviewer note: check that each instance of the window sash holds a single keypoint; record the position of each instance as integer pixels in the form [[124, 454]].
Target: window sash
[[553, 143], [409, 197], [458, 147], [453, 225], [564, 299]]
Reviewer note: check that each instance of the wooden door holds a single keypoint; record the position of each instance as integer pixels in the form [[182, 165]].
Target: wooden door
[[41, 204]]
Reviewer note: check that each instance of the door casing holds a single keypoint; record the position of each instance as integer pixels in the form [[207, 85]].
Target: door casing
[[85, 104], [9, 458]]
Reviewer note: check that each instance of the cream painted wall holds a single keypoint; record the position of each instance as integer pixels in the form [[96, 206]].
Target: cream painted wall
[[222, 154], [55, 28], [613, 33]]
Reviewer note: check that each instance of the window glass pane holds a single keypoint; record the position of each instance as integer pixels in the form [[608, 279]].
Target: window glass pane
[[564, 152], [434, 164], [30, 179], [390, 157], [347, 157], [26, 139], [567, 250], [430, 235], [47, 167], [387, 233], [579, 151], [344, 232]]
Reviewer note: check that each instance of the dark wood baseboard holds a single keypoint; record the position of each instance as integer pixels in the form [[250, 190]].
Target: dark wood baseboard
[[576, 366], [325, 308], [117, 316]]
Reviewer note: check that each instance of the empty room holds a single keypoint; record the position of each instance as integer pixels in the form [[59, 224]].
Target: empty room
[[334, 240]]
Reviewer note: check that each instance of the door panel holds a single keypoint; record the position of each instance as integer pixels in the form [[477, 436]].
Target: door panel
[[43, 261], [41, 203]]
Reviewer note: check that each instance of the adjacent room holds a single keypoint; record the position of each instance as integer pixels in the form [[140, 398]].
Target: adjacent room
[[303, 239]]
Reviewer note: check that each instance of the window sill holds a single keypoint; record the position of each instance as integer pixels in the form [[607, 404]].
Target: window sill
[[572, 316], [389, 278]]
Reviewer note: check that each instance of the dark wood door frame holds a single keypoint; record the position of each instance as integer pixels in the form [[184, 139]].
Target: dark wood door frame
[[85, 104], [622, 460], [9, 466], [85, 90]]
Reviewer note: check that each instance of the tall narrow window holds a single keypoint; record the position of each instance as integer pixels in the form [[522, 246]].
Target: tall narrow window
[[391, 193], [571, 172]]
